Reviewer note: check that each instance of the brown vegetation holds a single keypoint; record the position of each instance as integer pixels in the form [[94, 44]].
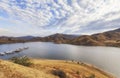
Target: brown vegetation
[[50, 69], [12, 70], [69, 69], [110, 38]]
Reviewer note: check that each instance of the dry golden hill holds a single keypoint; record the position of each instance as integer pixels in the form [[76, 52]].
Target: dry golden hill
[[11, 70], [109, 38], [42, 68]]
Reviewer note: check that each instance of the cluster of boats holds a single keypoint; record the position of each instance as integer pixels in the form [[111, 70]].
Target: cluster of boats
[[13, 51]]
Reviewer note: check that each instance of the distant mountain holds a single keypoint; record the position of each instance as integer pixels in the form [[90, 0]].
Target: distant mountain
[[58, 35], [110, 35], [109, 38], [58, 38], [5, 39], [26, 37], [85, 40]]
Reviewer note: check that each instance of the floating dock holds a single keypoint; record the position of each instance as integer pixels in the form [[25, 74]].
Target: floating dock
[[13, 51]]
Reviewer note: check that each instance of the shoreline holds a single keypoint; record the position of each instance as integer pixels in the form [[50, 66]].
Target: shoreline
[[86, 65], [59, 43], [72, 69], [91, 66]]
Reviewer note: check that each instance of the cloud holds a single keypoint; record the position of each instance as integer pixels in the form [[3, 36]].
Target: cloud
[[63, 16], [4, 32]]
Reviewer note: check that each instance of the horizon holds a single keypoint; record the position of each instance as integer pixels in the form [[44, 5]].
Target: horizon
[[46, 17], [59, 38], [60, 33]]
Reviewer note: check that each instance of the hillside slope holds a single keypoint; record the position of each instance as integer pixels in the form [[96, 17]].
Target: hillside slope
[[44, 68], [109, 38], [11, 70]]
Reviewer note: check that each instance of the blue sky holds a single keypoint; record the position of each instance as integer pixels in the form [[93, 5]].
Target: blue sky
[[45, 17]]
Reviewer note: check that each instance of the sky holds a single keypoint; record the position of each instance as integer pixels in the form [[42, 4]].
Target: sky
[[46, 17]]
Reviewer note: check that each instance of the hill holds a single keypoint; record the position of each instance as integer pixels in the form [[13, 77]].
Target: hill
[[11, 70], [58, 38], [26, 37], [109, 38], [50, 69]]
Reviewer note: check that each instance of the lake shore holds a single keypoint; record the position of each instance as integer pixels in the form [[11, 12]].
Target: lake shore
[[86, 69], [72, 69]]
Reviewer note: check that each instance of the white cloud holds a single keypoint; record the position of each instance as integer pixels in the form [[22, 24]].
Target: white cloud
[[72, 16], [5, 32]]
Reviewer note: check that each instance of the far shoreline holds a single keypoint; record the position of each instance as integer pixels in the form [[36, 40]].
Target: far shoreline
[[57, 43]]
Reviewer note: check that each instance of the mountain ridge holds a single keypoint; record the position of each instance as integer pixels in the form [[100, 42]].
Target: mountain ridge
[[108, 38]]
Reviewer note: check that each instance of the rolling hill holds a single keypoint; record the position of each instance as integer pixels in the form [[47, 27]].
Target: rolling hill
[[43, 68], [109, 38]]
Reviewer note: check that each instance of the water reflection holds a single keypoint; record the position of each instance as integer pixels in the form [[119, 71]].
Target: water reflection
[[106, 58]]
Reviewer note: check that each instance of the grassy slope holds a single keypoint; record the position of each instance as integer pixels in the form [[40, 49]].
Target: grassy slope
[[11, 70], [42, 69]]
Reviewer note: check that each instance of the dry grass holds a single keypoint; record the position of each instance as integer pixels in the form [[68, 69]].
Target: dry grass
[[72, 69], [42, 68], [11, 70]]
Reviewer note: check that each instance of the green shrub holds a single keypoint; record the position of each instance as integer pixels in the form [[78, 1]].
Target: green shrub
[[59, 73], [25, 61]]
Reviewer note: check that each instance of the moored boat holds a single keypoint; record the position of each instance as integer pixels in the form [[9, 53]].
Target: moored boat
[[2, 53], [13, 51]]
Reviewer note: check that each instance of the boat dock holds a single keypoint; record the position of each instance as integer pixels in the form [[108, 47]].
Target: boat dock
[[13, 51]]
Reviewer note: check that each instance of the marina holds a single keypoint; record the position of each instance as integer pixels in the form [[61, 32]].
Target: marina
[[13, 51]]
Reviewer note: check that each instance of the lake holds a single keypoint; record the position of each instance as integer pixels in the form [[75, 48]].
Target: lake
[[106, 58]]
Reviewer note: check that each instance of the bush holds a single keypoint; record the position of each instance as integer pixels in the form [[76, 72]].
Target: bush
[[77, 72], [59, 73], [25, 61], [92, 76]]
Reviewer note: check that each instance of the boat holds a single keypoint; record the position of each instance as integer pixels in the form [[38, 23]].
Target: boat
[[26, 47], [9, 52], [2, 53]]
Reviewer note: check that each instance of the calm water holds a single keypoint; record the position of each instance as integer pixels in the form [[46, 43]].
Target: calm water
[[106, 58]]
